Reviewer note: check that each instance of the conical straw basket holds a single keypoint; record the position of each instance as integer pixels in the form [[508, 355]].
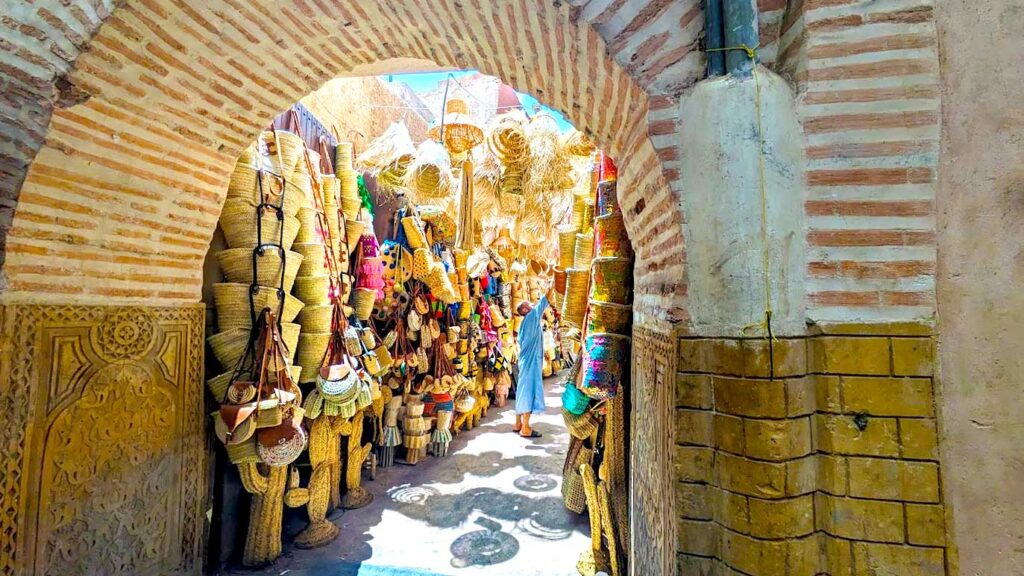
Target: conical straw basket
[[239, 222], [237, 265], [316, 318], [610, 239], [362, 302], [310, 353], [228, 347], [232, 302], [245, 185], [313, 290], [314, 258]]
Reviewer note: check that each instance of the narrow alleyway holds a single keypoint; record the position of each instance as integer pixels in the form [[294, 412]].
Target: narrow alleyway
[[492, 506]]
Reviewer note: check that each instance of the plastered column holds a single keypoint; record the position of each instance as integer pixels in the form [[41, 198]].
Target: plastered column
[[722, 198]]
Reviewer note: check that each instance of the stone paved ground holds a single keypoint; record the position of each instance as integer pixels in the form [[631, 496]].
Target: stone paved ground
[[493, 507]]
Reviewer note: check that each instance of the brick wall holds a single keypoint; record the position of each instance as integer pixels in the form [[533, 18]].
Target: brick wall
[[832, 466]]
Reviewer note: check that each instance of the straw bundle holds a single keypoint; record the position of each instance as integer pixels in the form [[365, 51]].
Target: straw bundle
[[391, 178], [237, 265], [577, 286], [394, 143], [310, 354], [508, 139], [314, 258], [430, 174], [316, 318], [229, 346], [362, 302], [577, 143], [232, 302], [313, 290], [245, 185], [239, 221], [584, 251]]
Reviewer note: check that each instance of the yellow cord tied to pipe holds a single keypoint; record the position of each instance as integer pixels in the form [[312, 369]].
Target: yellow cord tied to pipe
[[766, 323]]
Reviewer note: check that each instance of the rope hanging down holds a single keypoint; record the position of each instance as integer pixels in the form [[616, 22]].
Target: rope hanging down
[[765, 324]]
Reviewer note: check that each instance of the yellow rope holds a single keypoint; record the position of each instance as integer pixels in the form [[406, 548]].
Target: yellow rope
[[766, 323]]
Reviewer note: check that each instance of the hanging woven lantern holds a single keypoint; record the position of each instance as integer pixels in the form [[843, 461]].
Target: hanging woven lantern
[[457, 131]]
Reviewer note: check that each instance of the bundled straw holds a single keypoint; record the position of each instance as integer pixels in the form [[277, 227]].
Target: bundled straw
[[576, 143], [394, 143]]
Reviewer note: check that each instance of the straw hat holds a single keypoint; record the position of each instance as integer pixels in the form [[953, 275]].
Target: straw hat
[[237, 265], [460, 134], [238, 219], [232, 302]]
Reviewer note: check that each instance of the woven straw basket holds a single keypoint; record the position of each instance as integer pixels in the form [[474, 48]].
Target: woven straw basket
[[218, 385], [229, 346], [362, 302], [611, 280], [567, 247], [237, 266], [244, 185], [316, 318], [331, 187], [232, 302], [313, 290], [310, 231], [584, 252], [291, 149], [238, 220], [310, 353], [609, 318], [353, 232], [314, 258], [610, 239], [577, 286]]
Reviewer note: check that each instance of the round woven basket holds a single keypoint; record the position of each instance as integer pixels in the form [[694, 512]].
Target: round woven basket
[[316, 318], [567, 247], [229, 346], [314, 258], [362, 302], [237, 266], [609, 318], [291, 149], [310, 226], [232, 302], [244, 185], [584, 252], [238, 220], [218, 385], [313, 290], [611, 280], [310, 353], [577, 285], [610, 239]]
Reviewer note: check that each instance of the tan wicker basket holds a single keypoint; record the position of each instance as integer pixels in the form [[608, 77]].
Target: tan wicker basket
[[584, 252], [310, 226], [362, 302], [232, 302], [313, 290], [237, 266], [314, 258], [229, 346], [577, 287], [310, 353], [567, 247], [218, 385], [244, 185], [291, 146], [316, 318], [238, 221]]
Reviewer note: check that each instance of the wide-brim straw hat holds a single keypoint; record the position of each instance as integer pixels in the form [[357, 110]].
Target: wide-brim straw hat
[[314, 258], [238, 220], [229, 346], [316, 318], [232, 302], [245, 185], [313, 290], [311, 353], [237, 264]]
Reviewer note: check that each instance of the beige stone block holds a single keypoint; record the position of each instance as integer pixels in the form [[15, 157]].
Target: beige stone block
[[849, 355], [832, 474], [726, 357], [888, 396], [692, 354], [926, 525], [731, 511], [751, 477], [694, 427], [698, 565], [694, 501], [746, 397], [836, 556], [770, 557], [913, 356], [839, 434], [693, 391], [693, 463], [873, 520], [894, 480], [918, 438], [829, 394], [801, 396], [699, 537], [776, 519], [777, 439], [888, 560], [788, 357], [729, 434]]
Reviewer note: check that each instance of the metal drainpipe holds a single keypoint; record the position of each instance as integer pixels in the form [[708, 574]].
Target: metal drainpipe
[[713, 37], [740, 23]]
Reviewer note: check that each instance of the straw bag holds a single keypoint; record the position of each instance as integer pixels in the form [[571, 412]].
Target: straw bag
[[232, 303], [338, 383], [422, 263], [574, 401], [580, 425], [282, 444], [611, 281], [573, 492], [362, 302], [584, 251], [414, 233], [238, 263], [397, 262], [314, 290], [243, 224], [603, 364], [609, 318], [567, 247]]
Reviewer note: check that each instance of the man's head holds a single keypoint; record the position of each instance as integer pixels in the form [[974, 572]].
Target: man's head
[[524, 308]]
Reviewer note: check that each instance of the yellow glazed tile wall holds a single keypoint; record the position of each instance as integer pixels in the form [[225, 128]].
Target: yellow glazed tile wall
[[829, 467]]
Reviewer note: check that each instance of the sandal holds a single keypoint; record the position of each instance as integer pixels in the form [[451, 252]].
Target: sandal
[[532, 434]]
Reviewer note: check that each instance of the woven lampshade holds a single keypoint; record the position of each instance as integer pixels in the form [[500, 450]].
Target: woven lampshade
[[460, 134]]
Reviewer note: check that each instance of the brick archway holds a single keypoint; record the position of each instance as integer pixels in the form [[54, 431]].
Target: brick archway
[[140, 111]]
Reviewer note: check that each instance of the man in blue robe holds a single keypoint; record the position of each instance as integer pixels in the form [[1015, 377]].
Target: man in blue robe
[[530, 389]]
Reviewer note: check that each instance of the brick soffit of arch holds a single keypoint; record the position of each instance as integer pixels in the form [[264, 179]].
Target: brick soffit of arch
[[153, 111]]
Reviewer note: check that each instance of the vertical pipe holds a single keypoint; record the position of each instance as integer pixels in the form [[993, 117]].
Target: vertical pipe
[[713, 37], [740, 17]]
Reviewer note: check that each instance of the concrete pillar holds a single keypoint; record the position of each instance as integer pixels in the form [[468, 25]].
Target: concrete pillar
[[722, 201]]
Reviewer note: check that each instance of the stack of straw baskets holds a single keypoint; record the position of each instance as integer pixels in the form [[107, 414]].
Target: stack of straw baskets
[[575, 253], [257, 179]]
